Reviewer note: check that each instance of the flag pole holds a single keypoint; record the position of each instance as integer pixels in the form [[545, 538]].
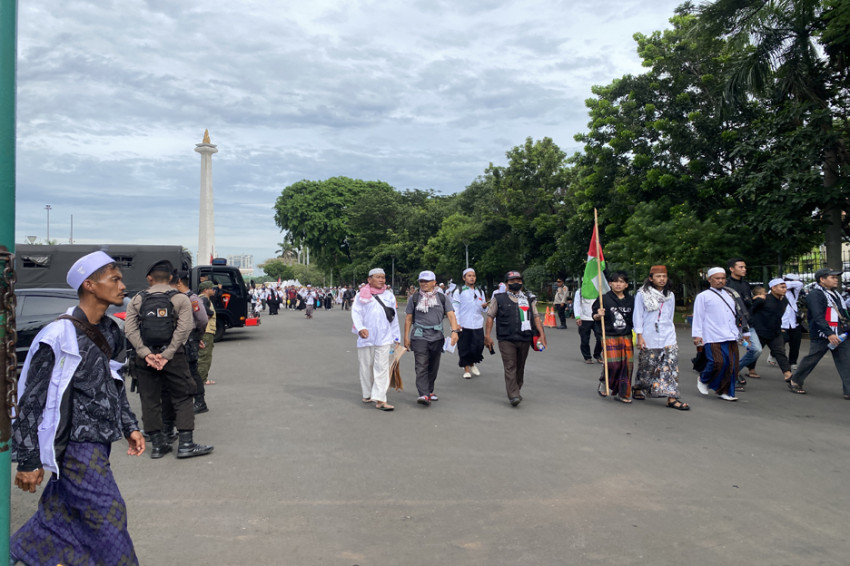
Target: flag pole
[[599, 289]]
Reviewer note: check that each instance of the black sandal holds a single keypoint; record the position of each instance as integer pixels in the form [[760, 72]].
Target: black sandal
[[679, 405], [794, 388], [637, 394], [600, 389]]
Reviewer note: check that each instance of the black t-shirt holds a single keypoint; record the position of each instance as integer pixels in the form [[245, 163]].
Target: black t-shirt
[[618, 313], [766, 317]]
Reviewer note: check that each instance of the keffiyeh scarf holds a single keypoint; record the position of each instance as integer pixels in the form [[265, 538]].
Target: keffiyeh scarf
[[653, 299], [524, 309], [427, 300]]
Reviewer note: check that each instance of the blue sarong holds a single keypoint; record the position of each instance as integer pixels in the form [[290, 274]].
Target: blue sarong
[[81, 518], [722, 367]]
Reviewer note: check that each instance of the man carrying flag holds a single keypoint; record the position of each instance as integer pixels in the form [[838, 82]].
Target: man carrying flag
[[587, 294]]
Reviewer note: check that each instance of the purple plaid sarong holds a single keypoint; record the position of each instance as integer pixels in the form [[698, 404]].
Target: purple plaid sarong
[[81, 518]]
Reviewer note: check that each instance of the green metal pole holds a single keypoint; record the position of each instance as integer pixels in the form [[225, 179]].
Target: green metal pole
[[8, 56]]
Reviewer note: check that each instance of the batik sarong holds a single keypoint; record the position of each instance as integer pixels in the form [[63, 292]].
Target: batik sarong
[[470, 346], [620, 353], [81, 517], [658, 371], [722, 367]]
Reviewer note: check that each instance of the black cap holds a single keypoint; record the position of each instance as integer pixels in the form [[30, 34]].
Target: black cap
[[513, 275], [820, 273], [162, 266]]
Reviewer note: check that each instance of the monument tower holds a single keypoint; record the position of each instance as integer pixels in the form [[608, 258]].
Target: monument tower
[[206, 225]]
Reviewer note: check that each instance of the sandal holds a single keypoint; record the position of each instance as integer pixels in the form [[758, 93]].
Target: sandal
[[384, 407], [600, 389], [623, 399], [209, 382], [677, 404], [637, 394], [794, 388], [366, 400]]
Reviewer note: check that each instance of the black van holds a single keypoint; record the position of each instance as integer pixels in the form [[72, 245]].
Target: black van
[[231, 305]]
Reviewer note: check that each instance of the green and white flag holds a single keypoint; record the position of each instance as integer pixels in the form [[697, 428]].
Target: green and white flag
[[590, 283]]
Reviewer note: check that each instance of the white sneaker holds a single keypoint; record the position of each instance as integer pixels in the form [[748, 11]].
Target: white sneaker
[[467, 375], [703, 387], [727, 397], [475, 370]]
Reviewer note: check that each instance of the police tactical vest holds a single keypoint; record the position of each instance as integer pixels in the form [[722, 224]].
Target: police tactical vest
[[157, 319]]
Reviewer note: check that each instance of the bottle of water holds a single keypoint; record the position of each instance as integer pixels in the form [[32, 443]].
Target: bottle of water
[[841, 337], [540, 346]]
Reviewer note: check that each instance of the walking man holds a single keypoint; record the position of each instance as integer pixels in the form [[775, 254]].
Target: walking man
[[828, 327], [741, 287], [374, 317], [586, 325], [766, 320], [72, 405], [718, 326], [516, 318], [562, 295], [158, 324], [423, 333], [469, 303]]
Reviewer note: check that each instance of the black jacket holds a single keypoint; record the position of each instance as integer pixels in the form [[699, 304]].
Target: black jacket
[[766, 318], [817, 303]]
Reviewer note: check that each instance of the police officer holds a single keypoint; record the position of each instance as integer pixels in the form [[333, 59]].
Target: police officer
[[200, 317], [207, 344], [158, 324]]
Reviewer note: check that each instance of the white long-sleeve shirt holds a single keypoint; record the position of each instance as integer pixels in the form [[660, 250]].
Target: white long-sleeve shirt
[[714, 317], [656, 327], [585, 307], [789, 317], [469, 305], [372, 317]]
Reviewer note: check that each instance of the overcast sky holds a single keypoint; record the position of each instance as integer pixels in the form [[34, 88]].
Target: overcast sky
[[114, 95]]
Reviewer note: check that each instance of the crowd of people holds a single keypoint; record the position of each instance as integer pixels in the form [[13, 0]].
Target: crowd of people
[[274, 296]]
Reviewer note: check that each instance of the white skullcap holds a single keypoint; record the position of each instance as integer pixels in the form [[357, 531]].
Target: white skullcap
[[715, 271], [792, 277], [427, 276], [376, 271], [85, 266], [774, 282], [467, 270]]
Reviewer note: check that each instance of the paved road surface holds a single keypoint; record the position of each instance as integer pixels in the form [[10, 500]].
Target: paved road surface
[[305, 474]]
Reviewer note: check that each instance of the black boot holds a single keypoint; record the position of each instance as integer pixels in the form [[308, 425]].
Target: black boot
[[187, 447], [200, 405], [169, 432], [160, 446]]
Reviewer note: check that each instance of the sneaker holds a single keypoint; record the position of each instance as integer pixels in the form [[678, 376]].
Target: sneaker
[[475, 370], [727, 397], [424, 400], [434, 397], [703, 387], [467, 375]]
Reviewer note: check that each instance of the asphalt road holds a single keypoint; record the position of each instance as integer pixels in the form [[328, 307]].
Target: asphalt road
[[303, 473]]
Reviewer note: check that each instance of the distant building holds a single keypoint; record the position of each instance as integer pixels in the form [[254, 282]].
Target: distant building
[[244, 262]]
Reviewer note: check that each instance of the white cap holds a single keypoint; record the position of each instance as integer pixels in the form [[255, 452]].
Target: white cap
[[775, 282], [715, 271], [376, 271], [85, 266], [467, 270], [427, 276], [792, 277]]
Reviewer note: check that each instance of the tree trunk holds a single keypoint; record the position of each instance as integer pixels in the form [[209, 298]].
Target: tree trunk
[[833, 230]]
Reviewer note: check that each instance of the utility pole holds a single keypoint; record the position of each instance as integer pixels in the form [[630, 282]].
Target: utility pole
[[8, 383], [48, 208]]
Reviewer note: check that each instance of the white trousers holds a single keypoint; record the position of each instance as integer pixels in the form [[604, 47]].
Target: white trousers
[[374, 371]]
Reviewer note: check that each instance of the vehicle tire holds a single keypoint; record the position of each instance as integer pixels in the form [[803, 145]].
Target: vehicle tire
[[219, 331]]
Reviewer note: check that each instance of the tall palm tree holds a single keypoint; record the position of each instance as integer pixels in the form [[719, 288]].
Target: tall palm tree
[[777, 53]]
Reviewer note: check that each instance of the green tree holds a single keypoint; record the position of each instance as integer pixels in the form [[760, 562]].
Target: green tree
[[277, 268]]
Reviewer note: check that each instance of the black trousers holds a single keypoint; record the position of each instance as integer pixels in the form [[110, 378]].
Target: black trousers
[[588, 326], [562, 314], [794, 337], [777, 350], [426, 356], [177, 378]]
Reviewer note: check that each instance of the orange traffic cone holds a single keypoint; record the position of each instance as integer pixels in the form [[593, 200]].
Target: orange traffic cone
[[549, 320]]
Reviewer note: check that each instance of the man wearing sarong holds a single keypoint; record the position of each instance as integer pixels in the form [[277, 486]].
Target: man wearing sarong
[[423, 333], [72, 406], [470, 303], [514, 312], [658, 356], [828, 322], [373, 315], [616, 312], [718, 326]]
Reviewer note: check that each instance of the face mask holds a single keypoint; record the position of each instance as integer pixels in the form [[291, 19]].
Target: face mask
[[515, 286]]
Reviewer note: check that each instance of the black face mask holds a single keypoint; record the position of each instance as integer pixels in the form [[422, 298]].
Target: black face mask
[[514, 286]]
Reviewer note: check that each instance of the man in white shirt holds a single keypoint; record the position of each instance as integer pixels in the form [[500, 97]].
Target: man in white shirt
[[586, 325], [470, 303], [373, 313], [718, 326]]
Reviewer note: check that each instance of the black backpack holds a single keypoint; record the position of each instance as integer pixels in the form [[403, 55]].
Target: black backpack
[[157, 319]]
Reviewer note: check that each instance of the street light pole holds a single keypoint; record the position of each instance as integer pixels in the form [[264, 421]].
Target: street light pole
[[47, 207], [467, 253], [393, 279]]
